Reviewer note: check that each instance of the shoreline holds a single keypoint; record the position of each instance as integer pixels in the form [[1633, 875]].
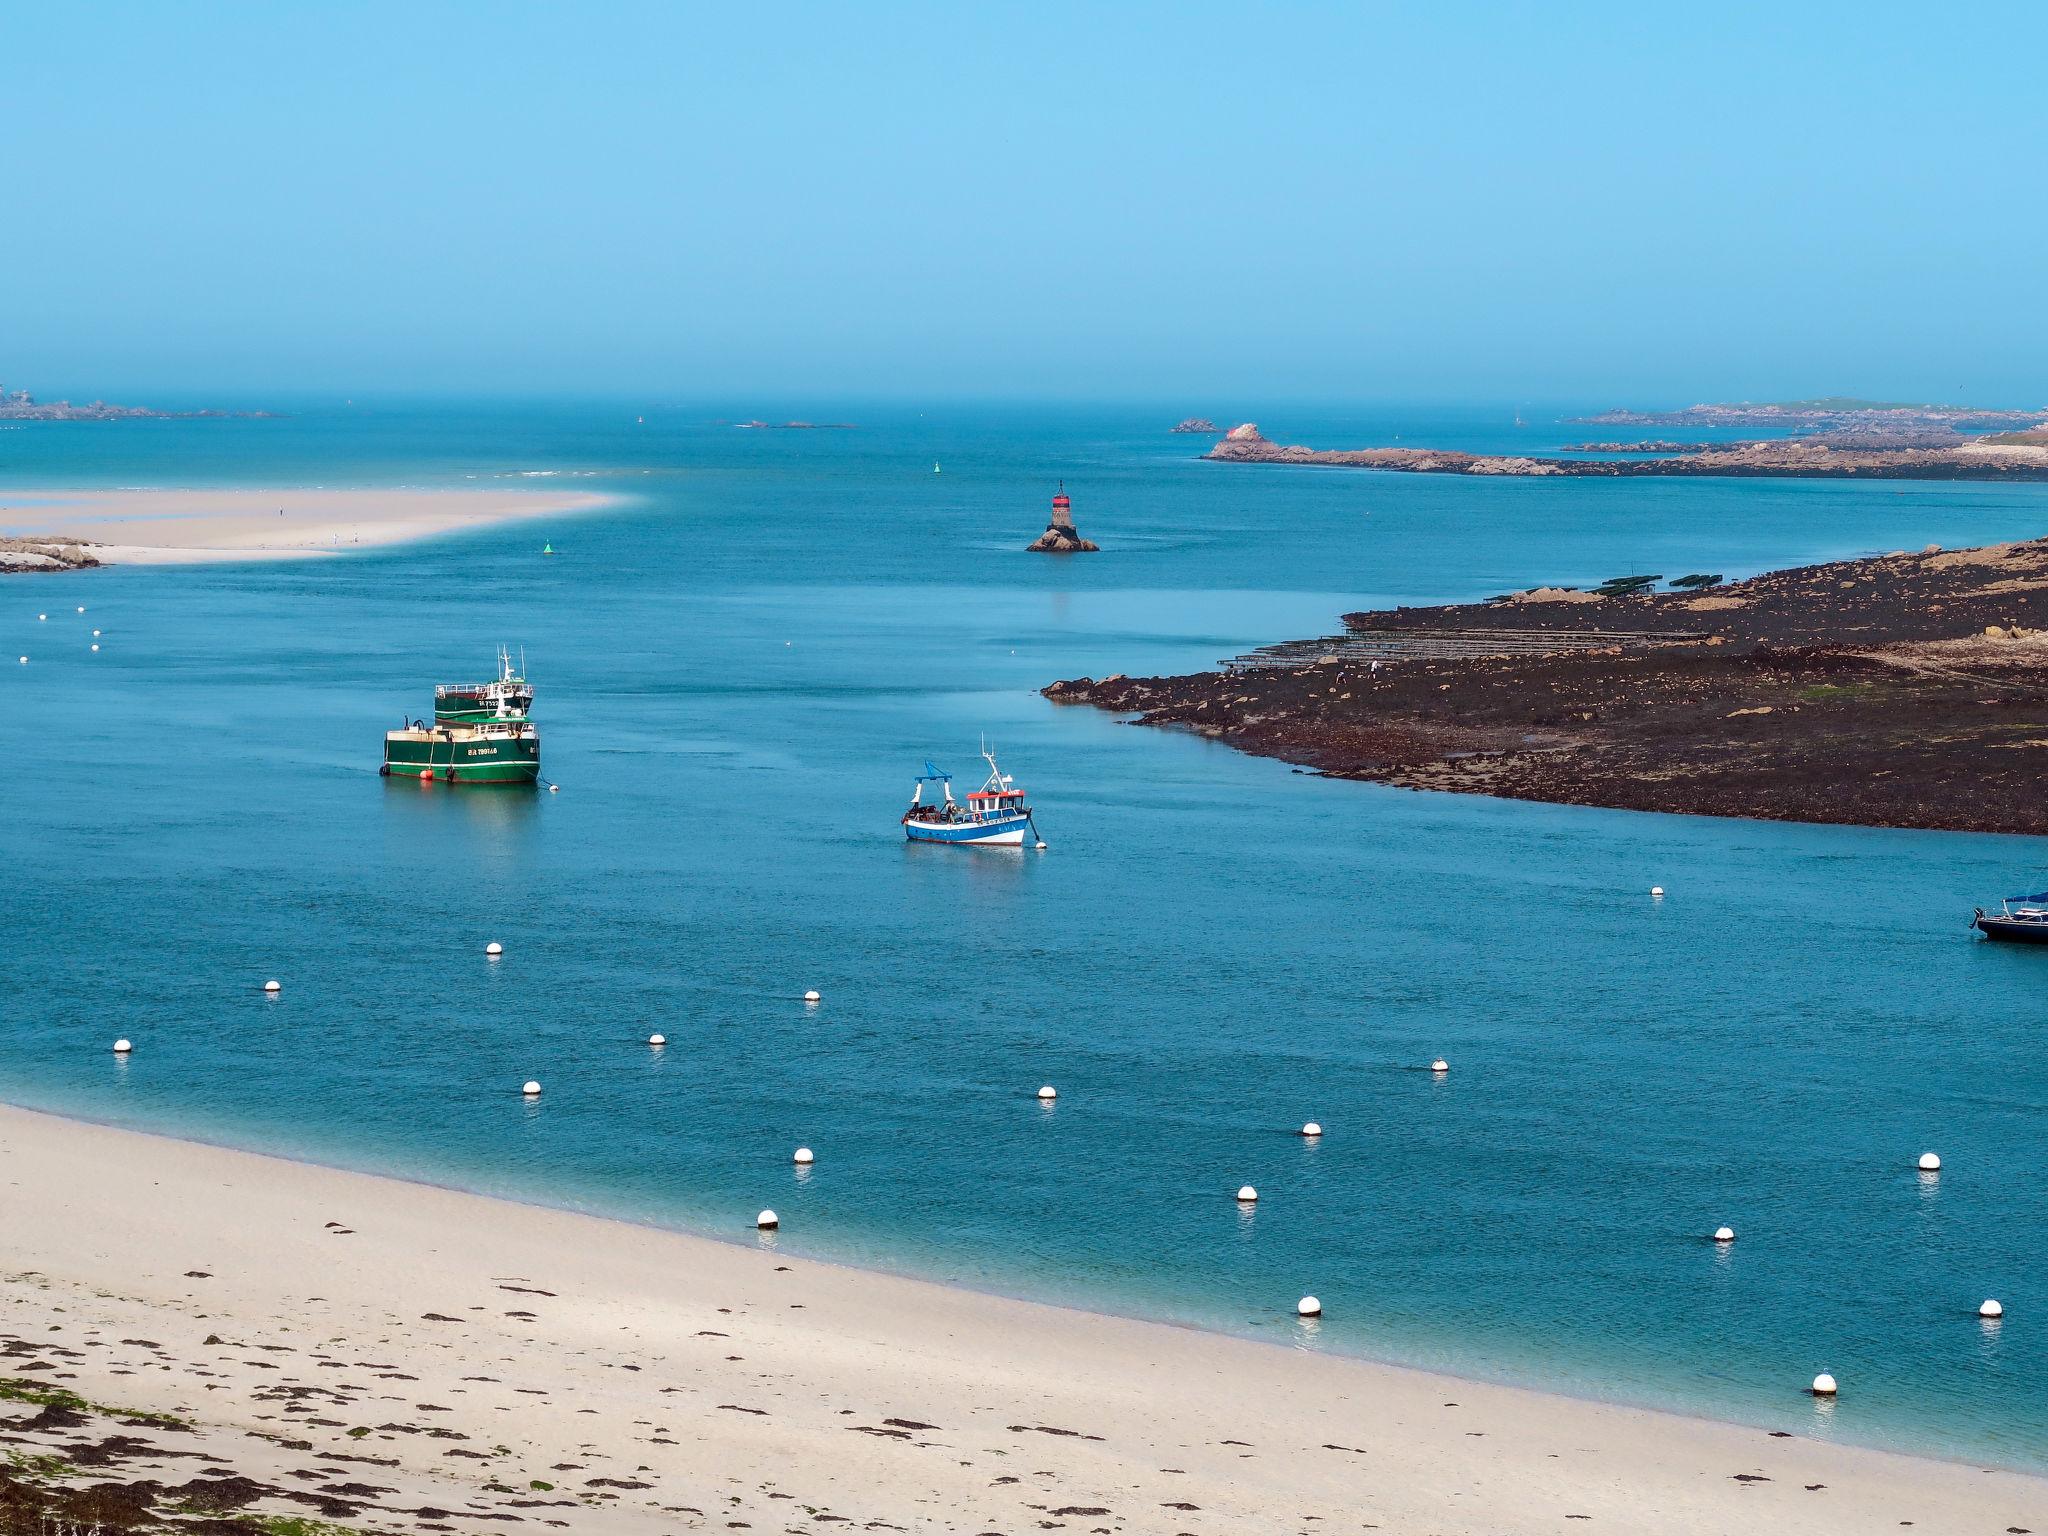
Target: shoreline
[[1003, 1409], [1889, 691], [745, 1239], [48, 529]]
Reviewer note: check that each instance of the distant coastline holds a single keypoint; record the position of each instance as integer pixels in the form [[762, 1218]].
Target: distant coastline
[[20, 405], [1815, 439], [2007, 456]]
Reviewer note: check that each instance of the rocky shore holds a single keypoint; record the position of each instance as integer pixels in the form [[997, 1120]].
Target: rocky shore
[[45, 554], [1906, 690], [1820, 457]]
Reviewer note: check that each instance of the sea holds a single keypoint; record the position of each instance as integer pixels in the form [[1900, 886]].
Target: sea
[[742, 664]]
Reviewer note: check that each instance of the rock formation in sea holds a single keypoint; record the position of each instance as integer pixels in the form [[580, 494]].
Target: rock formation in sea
[[1060, 537], [1197, 424]]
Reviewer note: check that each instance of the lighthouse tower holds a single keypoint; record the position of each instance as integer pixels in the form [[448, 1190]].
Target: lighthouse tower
[[1060, 536]]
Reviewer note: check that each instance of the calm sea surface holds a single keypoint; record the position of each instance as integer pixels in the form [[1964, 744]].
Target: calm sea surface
[[739, 670]]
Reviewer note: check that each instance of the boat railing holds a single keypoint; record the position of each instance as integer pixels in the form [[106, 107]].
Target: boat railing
[[442, 690]]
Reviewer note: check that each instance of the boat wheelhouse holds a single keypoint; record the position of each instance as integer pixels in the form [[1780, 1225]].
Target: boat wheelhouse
[[994, 815], [509, 697]]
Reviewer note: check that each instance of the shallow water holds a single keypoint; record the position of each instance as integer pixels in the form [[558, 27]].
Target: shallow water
[[740, 669]]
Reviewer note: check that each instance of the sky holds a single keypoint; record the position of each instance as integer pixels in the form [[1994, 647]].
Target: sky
[[1633, 203]]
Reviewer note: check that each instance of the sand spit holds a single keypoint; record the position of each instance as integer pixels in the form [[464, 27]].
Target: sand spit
[[186, 1327], [179, 527]]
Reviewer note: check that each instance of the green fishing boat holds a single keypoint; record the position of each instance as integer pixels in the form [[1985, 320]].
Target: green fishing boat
[[480, 734]]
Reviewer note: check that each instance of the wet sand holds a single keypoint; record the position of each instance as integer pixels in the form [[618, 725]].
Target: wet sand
[[396, 1357], [164, 527]]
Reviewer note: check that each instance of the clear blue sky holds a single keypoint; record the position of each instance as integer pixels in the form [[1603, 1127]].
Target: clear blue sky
[[1630, 201]]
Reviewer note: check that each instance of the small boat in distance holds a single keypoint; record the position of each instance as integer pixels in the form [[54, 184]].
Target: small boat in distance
[[2020, 919], [995, 815]]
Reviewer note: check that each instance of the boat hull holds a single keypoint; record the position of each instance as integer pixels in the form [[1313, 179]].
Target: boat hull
[[459, 757], [1007, 832], [2012, 930]]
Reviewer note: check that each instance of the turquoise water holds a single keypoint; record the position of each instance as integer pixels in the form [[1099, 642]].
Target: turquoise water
[[739, 670]]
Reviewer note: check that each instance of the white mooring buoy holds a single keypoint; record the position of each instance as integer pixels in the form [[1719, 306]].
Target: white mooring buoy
[[802, 1155], [657, 1039], [1823, 1385], [1929, 1163], [1048, 1092], [1991, 1310], [767, 1221], [1656, 890], [1308, 1306], [95, 634], [272, 986], [531, 1089], [494, 948], [1724, 1234], [1311, 1129], [95, 645], [812, 997], [42, 618], [1246, 1195], [122, 1048], [1439, 1065], [24, 661]]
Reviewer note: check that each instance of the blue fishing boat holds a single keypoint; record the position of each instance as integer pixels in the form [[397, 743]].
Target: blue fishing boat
[[995, 815]]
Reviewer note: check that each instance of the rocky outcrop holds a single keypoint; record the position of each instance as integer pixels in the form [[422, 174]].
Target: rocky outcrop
[[1897, 690], [42, 554], [1247, 445], [1055, 541], [1197, 424]]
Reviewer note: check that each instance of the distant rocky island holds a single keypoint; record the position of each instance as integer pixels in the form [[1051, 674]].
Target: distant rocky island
[[799, 426], [1902, 690], [20, 405], [1196, 424], [1875, 442]]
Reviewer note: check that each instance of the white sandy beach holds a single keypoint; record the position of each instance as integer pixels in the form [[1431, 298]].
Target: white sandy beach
[[398, 1357], [148, 526]]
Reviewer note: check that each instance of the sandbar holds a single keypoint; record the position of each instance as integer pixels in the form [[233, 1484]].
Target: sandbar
[[159, 526]]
